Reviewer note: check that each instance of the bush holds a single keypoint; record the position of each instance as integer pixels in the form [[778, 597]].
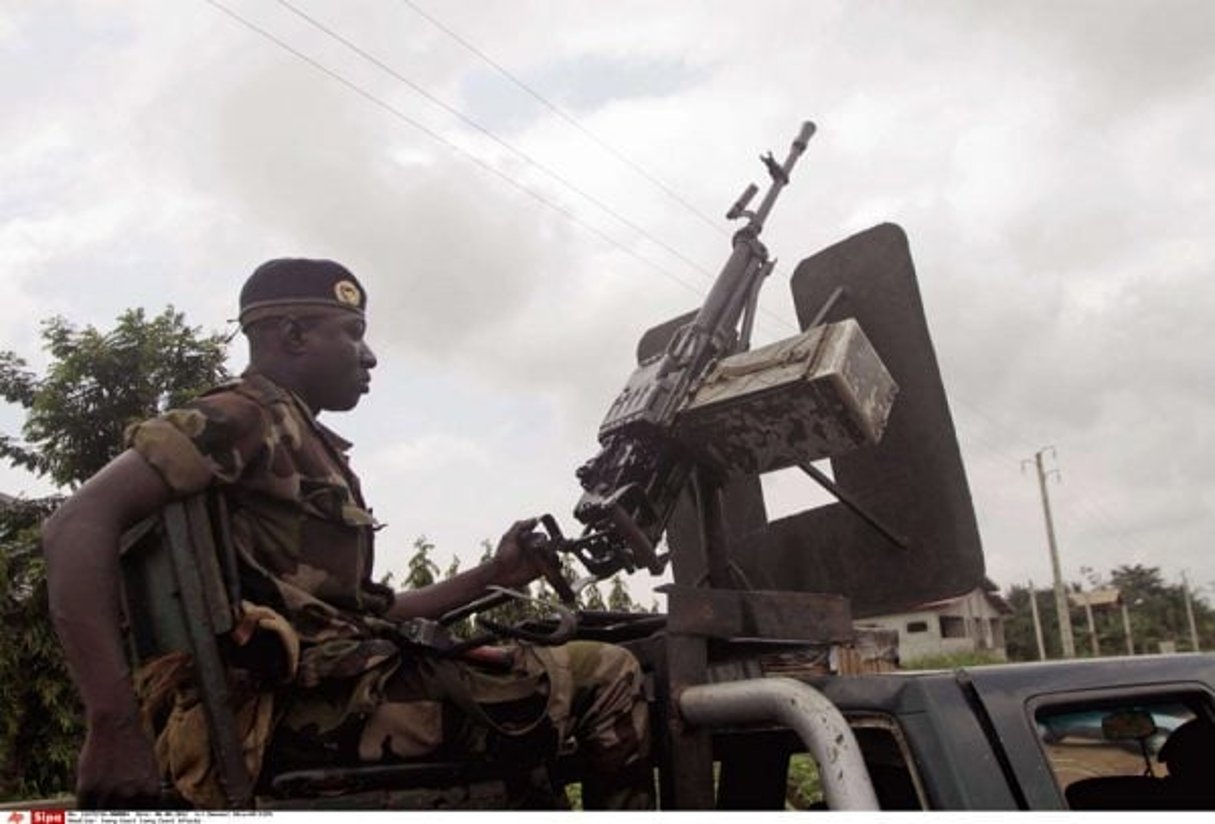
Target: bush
[[952, 661], [40, 716]]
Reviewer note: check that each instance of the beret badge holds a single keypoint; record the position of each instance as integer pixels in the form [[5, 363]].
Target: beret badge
[[348, 293]]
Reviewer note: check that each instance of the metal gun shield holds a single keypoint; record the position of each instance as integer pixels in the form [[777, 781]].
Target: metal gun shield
[[913, 480]]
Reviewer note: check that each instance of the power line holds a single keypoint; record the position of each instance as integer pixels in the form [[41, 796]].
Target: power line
[[712, 223], [1087, 513], [470, 122], [564, 116], [483, 164], [571, 216], [1095, 513], [397, 113], [1086, 509]]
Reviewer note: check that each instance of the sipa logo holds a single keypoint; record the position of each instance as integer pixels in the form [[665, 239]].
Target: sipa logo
[[48, 817], [16, 817]]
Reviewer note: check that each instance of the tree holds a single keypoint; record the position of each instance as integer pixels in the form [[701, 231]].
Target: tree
[[95, 385], [41, 725], [422, 570], [1156, 610], [1019, 641], [619, 599], [591, 598]]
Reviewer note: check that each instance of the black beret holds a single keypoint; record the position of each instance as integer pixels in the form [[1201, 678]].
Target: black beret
[[299, 283]]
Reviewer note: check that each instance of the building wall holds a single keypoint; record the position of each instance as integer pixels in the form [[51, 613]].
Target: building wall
[[966, 624]]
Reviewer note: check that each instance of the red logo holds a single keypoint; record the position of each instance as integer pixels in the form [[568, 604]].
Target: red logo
[[48, 817], [16, 818]]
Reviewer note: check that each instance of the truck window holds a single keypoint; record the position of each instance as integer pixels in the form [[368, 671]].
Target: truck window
[[1132, 753], [887, 759]]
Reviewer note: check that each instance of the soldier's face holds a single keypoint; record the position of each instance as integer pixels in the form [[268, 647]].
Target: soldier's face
[[339, 362]]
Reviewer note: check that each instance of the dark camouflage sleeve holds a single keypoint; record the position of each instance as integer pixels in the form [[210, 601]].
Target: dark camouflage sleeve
[[211, 440]]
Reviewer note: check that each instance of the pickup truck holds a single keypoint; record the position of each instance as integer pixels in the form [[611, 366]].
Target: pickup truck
[[1095, 734], [1106, 733]]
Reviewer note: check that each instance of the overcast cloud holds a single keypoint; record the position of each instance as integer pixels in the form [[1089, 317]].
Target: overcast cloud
[[1051, 163]]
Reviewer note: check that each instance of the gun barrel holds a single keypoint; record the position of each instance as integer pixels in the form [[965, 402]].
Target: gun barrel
[[724, 303], [803, 137], [780, 179]]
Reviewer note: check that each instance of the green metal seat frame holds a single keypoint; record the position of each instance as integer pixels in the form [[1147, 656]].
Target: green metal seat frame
[[179, 594]]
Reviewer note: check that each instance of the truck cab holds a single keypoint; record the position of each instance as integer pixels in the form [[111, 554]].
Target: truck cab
[[1089, 734]]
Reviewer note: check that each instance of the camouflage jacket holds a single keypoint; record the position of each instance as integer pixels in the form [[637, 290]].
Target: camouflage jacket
[[301, 530]]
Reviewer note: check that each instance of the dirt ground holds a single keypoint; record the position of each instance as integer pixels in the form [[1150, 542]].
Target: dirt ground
[[1074, 758]]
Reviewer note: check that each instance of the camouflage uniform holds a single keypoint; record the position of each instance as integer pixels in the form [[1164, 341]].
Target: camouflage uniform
[[303, 538]]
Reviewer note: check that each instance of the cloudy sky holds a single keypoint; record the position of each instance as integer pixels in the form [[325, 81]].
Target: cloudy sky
[[525, 187]]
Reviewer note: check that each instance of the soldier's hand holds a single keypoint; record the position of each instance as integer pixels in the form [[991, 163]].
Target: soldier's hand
[[517, 565], [117, 769]]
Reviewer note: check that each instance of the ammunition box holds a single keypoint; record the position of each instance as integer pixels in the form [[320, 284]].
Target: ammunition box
[[811, 396]]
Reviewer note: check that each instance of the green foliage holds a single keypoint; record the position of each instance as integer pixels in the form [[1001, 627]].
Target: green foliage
[[573, 796], [422, 570], [804, 787], [591, 598], [1019, 639], [1156, 610], [950, 661], [619, 599], [99, 383], [96, 384], [1157, 613], [40, 717]]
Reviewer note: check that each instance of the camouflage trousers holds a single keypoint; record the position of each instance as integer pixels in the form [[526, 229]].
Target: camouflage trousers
[[582, 694]]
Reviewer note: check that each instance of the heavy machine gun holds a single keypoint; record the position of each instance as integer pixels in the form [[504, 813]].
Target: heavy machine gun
[[702, 409], [633, 484]]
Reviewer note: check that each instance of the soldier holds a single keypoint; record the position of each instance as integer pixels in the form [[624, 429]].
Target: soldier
[[320, 681]]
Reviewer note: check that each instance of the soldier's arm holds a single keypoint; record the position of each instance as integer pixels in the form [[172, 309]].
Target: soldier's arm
[[81, 541], [511, 566]]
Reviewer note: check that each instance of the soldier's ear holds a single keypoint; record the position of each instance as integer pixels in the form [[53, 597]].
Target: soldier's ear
[[292, 333]]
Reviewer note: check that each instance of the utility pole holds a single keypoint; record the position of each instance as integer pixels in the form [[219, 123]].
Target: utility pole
[[1061, 603], [1092, 627], [1126, 627], [1033, 609], [1189, 612]]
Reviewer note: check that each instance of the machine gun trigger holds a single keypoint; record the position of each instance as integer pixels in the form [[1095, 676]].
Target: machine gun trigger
[[637, 540]]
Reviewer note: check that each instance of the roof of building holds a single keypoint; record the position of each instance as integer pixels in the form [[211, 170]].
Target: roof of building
[[1104, 597], [991, 595]]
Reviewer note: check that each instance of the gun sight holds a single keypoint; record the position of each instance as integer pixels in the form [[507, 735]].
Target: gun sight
[[739, 208]]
